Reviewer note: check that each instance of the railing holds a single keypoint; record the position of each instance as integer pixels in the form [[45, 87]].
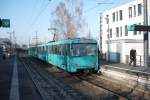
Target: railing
[[139, 60]]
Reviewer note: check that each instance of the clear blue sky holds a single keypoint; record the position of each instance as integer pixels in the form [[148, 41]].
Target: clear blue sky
[[29, 16]]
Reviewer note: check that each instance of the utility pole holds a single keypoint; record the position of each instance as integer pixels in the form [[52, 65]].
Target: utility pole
[[10, 33], [107, 20], [145, 8], [108, 36], [13, 41], [100, 32], [36, 40], [29, 41]]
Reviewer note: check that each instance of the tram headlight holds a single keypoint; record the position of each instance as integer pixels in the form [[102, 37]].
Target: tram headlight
[[74, 65]]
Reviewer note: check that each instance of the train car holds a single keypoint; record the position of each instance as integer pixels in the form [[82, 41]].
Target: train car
[[72, 55]]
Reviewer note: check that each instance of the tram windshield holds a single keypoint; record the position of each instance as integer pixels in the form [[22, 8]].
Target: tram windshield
[[83, 49]]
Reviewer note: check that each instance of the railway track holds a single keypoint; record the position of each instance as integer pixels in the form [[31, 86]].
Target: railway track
[[94, 82], [48, 87], [114, 90], [118, 89], [113, 93]]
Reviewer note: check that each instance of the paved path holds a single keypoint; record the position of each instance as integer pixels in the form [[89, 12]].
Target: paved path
[[14, 92], [15, 83], [126, 66], [6, 70]]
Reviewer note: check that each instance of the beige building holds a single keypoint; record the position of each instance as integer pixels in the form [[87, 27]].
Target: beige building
[[116, 40]]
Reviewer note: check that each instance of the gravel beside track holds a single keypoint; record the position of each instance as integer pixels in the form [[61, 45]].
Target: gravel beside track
[[93, 86], [48, 86]]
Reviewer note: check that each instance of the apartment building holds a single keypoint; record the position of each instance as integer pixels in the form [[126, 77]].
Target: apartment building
[[116, 40]]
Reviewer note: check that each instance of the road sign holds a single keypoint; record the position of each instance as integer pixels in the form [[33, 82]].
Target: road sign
[[5, 23], [0, 22], [138, 28], [131, 27]]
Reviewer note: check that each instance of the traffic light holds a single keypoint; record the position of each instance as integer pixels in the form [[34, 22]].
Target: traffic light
[[0, 22]]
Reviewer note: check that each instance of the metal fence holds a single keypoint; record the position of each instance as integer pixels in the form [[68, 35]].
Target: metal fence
[[139, 60]]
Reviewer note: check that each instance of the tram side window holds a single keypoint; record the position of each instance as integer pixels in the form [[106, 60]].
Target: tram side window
[[83, 49], [46, 49], [50, 49], [53, 49], [59, 49], [56, 49], [41, 50], [38, 49], [64, 50], [34, 49], [75, 51]]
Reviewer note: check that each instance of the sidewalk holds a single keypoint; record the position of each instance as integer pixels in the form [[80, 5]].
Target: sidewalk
[[135, 77], [126, 67], [6, 69]]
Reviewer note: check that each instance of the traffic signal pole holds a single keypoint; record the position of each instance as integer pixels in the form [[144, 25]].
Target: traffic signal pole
[[145, 11]]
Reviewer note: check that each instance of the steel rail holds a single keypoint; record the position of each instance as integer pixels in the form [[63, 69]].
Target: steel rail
[[59, 90]]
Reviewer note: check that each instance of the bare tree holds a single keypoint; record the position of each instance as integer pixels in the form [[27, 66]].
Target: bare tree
[[67, 18]]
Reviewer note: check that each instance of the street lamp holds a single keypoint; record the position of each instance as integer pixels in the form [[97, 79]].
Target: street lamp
[[10, 33], [107, 21], [145, 12], [108, 36]]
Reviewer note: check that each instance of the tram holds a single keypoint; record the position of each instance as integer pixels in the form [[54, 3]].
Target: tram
[[71, 55]]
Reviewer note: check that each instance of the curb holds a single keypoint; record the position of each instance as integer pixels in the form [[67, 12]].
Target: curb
[[129, 77]]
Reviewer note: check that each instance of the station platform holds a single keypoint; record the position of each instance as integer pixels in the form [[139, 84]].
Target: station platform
[[15, 83], [126, 68], [130, 75]]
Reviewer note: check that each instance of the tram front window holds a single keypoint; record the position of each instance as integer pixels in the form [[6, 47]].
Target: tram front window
[[83, 49]]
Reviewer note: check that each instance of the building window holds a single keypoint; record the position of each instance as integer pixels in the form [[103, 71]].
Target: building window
[[139, 9], [126, 30], [113, 14], [108, 36], [110, 33], [120, 13], [117, 16], [120, 31], [117, 31], [130, 12], [134, 11], [139, 31], [107, 19]]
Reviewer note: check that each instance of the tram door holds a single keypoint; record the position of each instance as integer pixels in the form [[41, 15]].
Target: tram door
[[64, 53]]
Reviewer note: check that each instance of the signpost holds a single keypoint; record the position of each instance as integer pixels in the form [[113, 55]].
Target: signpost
[[0, 22], [5, 23], [146, 29], [138, 28]]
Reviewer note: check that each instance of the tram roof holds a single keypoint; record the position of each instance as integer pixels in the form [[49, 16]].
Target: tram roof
[[70, 41]]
